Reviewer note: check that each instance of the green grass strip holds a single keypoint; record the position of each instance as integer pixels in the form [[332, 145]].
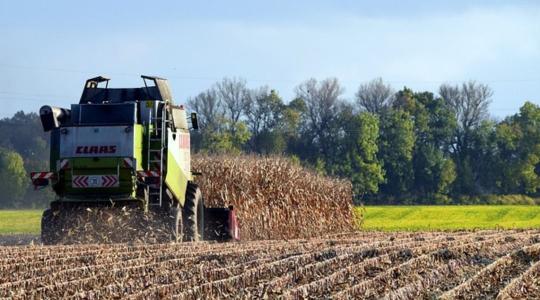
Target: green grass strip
[[416, 218], [386, 218], [20, 221]]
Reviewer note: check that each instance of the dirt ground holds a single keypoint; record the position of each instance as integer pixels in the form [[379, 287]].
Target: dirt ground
[[487, 264], [19, 239]]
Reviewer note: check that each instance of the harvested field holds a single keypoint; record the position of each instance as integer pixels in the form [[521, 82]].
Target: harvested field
[[275, 198], [372, 265]]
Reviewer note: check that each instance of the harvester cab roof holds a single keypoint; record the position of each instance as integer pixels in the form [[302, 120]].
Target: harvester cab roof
[[155, 89], [101, 105]]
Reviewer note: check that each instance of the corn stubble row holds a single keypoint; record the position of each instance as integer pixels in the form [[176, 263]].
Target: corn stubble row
[[275, 198], [457, 265]]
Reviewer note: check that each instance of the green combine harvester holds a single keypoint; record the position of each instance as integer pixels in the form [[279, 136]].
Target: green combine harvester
[[127, 148]]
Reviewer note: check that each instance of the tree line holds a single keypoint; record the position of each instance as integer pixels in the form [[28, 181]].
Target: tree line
[[24, 148], [396, 147]]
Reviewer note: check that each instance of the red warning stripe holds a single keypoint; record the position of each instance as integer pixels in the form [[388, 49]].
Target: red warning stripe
[[41, 175], [64, 164], [148, 173], [128, 162]]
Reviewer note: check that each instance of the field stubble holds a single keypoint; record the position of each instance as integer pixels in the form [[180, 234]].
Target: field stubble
[[462, 265]]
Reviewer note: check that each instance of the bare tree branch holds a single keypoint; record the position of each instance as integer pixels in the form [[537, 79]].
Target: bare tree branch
[[322, 103], [263, 109], [208, 107], [375, 96], [470, 103], [235, 97]]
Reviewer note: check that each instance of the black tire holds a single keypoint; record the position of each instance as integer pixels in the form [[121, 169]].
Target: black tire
[[50, 230], [193, 214], [176, 223]]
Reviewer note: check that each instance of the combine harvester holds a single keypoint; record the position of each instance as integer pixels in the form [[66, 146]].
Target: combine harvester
[[127, 148]]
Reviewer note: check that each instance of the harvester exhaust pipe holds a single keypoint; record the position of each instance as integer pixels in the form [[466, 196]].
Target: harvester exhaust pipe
[[52, 117]]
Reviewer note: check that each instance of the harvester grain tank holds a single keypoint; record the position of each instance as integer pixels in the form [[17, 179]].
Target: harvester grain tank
[[127, 147]]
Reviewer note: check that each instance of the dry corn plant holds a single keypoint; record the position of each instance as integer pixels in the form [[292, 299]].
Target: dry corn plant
[[274, 197]]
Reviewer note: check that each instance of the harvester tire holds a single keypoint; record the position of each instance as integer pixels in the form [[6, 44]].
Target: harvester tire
[[177, 224], [49, 228], [193, 214]]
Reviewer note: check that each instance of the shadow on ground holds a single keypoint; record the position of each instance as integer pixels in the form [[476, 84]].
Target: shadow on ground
[[19, 239]]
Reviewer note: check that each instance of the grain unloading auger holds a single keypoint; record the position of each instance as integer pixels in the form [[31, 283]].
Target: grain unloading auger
[[127, 148]]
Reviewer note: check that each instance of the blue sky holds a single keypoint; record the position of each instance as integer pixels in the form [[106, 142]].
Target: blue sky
[[49, 48]]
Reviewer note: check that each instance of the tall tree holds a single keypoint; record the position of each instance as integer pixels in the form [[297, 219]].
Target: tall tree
[[323, 104], [209, 108], [396, 146], [292, 121], [210, 114], [228, 139], [470, 104], [375, 96], [264, 116], [360, 161], [23, 134], [434, 125], [518, 139], [222, 111], [235, 97], [13, 178]]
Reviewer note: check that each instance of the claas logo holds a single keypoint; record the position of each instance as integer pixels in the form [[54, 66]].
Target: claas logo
[[95, 150]]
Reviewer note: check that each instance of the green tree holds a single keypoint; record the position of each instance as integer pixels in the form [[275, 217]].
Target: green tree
[[469, 104], [321, 119], [227, 139], [264, 116], [360, 162], [396, 146], [291, 126], [481, 164], [24, 135], [518, 139], [13, 178], [434, 126]]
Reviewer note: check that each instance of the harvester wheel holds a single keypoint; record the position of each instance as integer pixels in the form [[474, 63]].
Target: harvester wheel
[[177, 224], [49, 228], [193, 214]]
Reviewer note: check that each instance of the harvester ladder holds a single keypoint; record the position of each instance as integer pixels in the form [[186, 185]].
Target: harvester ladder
[[156, 133]]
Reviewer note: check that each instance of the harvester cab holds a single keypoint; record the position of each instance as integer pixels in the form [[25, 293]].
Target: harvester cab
[[127, 147]]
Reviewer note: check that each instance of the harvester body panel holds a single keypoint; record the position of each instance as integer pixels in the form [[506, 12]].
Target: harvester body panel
[[101, 141], [178, 165], [98, 161]]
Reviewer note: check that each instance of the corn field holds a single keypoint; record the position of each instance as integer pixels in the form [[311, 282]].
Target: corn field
[[367, 265], [274, 197]]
